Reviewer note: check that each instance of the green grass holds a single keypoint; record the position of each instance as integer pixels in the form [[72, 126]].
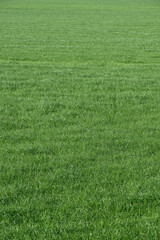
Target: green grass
[[79, 119]]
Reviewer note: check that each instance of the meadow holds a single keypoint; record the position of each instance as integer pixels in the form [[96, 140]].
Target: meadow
[[79, 120]]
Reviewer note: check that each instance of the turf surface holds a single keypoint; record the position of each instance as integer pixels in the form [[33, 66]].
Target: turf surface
[[79, 119]]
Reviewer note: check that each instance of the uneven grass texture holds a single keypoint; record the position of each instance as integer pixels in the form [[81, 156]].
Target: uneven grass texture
[[79, 119]]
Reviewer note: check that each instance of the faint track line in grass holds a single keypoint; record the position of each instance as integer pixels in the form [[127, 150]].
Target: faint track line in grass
[[75, 63]]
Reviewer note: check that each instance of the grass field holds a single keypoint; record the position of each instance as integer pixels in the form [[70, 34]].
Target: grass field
[[79, 119]]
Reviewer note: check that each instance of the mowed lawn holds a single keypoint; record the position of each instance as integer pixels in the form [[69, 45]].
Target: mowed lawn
[[79, 119]]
